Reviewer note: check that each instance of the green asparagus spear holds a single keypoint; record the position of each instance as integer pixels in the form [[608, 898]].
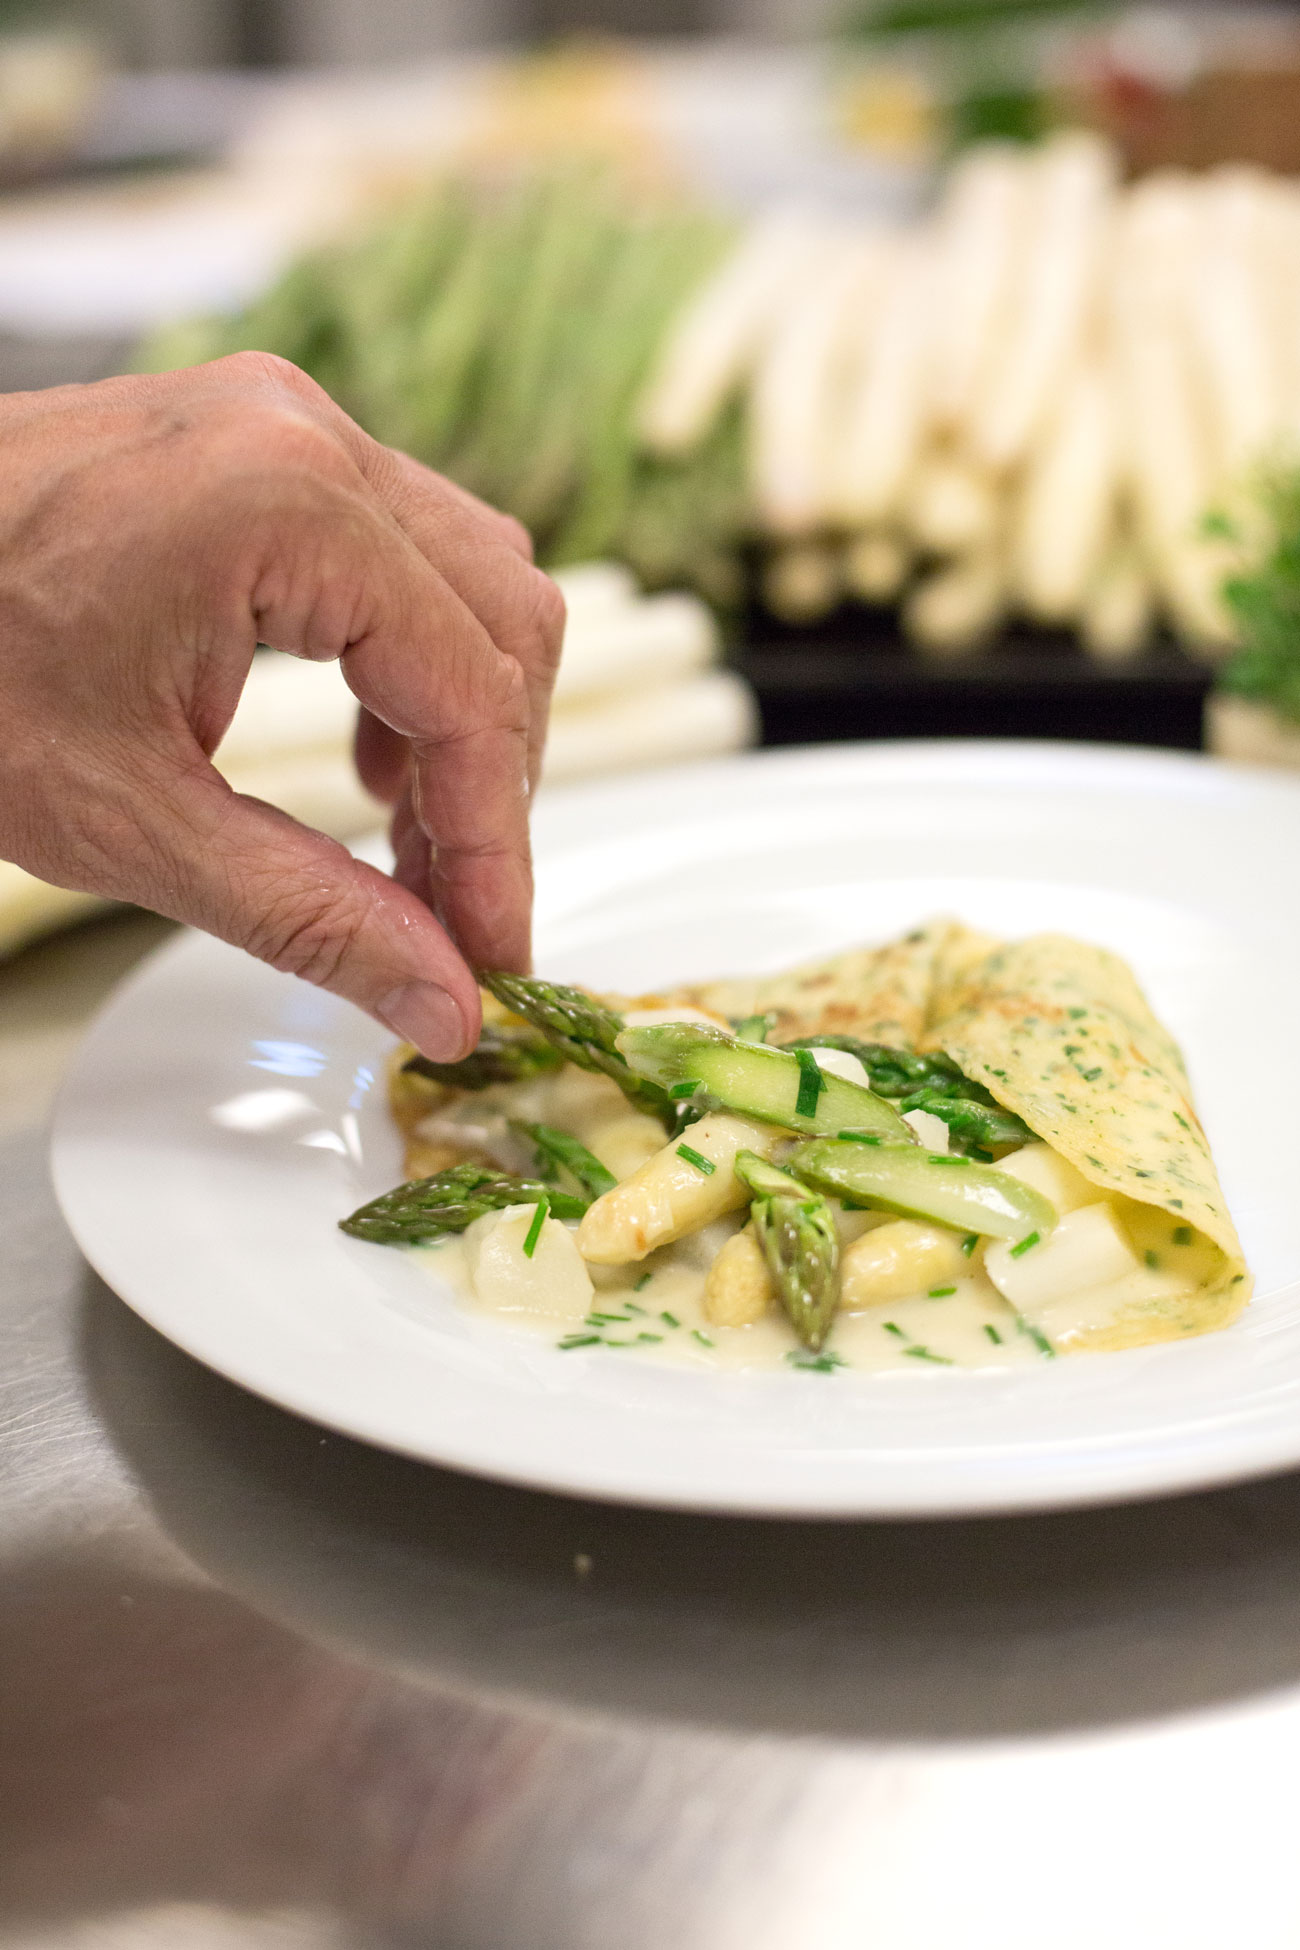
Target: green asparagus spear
[[583, 1030], [558, 1148], [778, 1086], [975, 1127], [796, 1229], [502, 1056], [429, 1207], [900, 1072], [907, 1180]]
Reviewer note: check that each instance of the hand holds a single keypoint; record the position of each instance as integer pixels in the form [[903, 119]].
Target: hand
[[152, 532]]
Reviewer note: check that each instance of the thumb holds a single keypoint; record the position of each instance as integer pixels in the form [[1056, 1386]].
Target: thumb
[[262, 881]]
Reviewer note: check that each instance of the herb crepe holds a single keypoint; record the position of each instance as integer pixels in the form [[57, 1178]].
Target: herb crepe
[[1061, 1034]]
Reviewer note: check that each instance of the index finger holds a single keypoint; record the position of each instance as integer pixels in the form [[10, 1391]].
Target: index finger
[[430, 671]]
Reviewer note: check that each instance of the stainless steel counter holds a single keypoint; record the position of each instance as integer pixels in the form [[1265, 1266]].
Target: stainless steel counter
[[262, 1686]]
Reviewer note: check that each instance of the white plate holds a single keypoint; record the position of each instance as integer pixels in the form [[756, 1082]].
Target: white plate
[[221, 1118]]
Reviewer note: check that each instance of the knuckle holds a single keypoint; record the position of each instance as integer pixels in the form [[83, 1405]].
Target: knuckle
[[312, 935], [264, 371]]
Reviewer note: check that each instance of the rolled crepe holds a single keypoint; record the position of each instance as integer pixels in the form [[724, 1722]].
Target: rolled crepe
[[1061, 1034]]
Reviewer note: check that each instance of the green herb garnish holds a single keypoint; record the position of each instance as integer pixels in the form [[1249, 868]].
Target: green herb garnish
[[924, 1354], [643, 1282], [941, 1292], [669, 1320], [535, 1229], [824, 1363], [1182, 1235], [1037, 1336], [969, 1243], [993, 1334], [811, 1083], [1030, 1240], [703, 1339], [706, 1165]]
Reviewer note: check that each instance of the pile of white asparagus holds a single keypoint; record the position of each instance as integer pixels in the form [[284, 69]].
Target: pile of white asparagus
[[1024, 405]]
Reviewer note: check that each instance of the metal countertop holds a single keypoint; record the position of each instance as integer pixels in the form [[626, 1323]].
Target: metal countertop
[[263, 1686]]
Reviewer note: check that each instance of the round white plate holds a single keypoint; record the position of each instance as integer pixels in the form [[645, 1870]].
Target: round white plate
[[221, 1118]]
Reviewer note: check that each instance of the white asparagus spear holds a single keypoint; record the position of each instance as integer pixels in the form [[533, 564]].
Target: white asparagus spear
[[1066, 512], [671, 1195], [886, 418], [981, 237], [802, 581], [1056, 299], [1119, 610], [657, 640], [1231, 323], [714, 343], [960, 606], [952, 504], [876, 566], [797, 400], [1164, 445]]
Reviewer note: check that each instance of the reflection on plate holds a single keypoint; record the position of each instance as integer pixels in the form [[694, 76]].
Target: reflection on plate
[[222, 1117]]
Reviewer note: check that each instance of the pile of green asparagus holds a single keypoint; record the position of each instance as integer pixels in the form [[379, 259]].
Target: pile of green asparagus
[[855, 1145], [501, 331]]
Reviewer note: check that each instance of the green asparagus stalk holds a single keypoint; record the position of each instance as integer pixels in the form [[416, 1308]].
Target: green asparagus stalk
[[428, 1208], [899, 1072], [917, 1185], [584, 1031], [502, 1056], [978, 1129], [557, 1148], [796, 1229], [782, 1087]]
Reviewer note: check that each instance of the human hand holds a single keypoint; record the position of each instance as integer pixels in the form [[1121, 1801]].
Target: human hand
[[152, 532]]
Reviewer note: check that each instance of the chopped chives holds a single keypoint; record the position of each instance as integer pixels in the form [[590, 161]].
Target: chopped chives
[[643, 1282], [936, 1160], [861, 1137], [811, 1084], [924, 1354], [669, 1320], [1031, 1239], [969, 1243], [892, 1327], [1036, 1335], [993, 1334], [823, 1363], [703, 1339], [706, 1165], [608, 1320], [687, 1087], [1182, 1235], [543, 1206], [1152, 1258], [941, 1292], [649, 1337], [579, 1340], [634, 1309]]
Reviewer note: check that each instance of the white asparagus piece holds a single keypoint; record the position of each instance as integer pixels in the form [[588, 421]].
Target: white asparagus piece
[[887, 413], [739, 1288], [713, 345], [1231, 321], [898, 1260], [958, 607], [1067, 506], [953, 505], [1165, 451], [802, 581], [669, 1196], [596, 589], [876, 566], [797, 402], [700, 717], [1119, 611], [658, 640], [1057, 296], [981, 238]]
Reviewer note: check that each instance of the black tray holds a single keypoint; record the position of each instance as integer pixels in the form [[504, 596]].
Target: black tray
[[854, 677]]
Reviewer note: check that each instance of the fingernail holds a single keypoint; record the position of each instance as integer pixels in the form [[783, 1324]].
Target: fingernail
[[423, 1014]]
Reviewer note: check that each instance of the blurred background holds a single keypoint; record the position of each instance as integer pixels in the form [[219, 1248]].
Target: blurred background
[[864, 368]]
